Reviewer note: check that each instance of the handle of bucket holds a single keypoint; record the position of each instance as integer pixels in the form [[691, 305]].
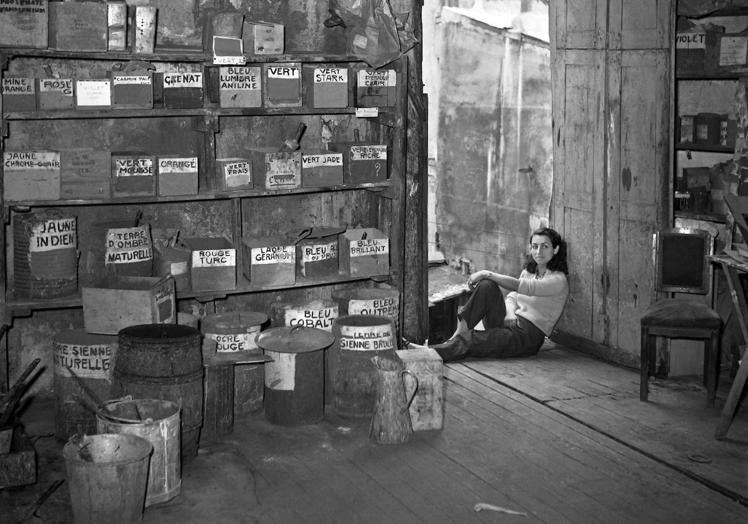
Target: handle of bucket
[[415, 390], [295, 328], [304, 233]]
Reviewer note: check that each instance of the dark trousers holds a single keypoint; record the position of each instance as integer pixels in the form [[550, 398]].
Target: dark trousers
[[486, 303]]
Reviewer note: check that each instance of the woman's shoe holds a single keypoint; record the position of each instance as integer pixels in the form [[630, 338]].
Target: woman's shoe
[[453, 349]]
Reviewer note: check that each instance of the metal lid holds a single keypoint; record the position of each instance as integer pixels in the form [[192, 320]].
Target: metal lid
[[296, 339]]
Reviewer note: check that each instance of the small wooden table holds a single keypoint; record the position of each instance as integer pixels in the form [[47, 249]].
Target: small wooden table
[[732, 264]]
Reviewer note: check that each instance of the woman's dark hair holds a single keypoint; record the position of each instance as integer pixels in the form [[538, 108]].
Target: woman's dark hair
[[558, 262]]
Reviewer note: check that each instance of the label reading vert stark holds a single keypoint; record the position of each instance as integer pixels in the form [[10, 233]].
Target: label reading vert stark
[[273, 255], [53, 234], [330, 74], [214, 258], [366, 338]]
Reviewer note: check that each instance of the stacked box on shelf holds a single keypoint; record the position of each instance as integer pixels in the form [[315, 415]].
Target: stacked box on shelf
[[31, 175], [323, 169], [328, 86], [19, 94], [24, 25], [133, 174], [177, 175], [85, 173], [93, 94], [182, 90], [78, 26], [240, 86], [212, 263], [132, 91], [282, 84], [234, 174], [282, 170], [376, 88], [56, 94], [364, 252], [269, 261]]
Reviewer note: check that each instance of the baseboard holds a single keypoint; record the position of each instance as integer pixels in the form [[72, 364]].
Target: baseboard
[[595, 349]]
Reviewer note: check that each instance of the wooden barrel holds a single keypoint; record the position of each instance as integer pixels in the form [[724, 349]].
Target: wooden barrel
[[164, 361], [234, 334], [353, 376], [45, 254], [294, 380], [158, 422], [90, 357]]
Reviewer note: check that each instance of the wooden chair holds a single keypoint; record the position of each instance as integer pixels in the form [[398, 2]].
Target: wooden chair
[[681, 266]]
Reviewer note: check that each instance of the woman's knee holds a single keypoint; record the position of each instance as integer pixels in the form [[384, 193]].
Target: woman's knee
[[488, 287]]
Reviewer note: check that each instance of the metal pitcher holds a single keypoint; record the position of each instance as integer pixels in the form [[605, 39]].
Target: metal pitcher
[[391, 421]]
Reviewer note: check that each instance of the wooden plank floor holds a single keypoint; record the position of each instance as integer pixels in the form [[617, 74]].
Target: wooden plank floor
[[557, 438]]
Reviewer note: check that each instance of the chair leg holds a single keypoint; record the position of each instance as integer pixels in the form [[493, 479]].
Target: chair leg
[[712, 371], [648, 344]]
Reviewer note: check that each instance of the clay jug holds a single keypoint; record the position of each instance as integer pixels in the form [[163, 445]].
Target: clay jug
[[391, 421]]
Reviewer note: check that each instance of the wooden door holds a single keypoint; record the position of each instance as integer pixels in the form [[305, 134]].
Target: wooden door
[[611, 98]]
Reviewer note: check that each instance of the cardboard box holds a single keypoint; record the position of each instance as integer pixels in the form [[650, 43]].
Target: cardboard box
[[212, 264], [376, 88], [31, 175], [132, 91], [329, 86], [55, 94], [266, 38], [177, 175], [696, 48], [93, 94], [234, 174], [24, 25], [78, 26], [183, 90], [85, 174], [324, 169], [116, 26], [364, 252], [733, 50], [282, 85], [127, 301], [367, 163], [427, 408], [282, 170], [133, 174], [240, 86], [174, 261], [269, 261], [19, 94]]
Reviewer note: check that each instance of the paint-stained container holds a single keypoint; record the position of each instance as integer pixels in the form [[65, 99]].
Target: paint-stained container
[[353, 376], [234, 336], [164, 361], [294, 380], [317, 252], [45, 254], [157, 421], [90, 357]]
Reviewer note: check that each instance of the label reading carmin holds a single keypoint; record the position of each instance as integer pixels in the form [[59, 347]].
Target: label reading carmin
[[273, 255], [131, 80], [214, 258], [53, 234]]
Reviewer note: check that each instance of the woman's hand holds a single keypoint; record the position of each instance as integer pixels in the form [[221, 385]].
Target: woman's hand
[[510, 322], [477, 276]]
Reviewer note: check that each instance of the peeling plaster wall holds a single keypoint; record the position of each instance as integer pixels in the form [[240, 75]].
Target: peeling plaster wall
[[493, 170]]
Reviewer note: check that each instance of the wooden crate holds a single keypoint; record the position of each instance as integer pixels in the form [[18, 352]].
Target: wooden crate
[[127, 301]]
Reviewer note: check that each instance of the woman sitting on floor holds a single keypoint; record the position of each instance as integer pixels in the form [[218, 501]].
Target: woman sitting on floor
[[515, 326]]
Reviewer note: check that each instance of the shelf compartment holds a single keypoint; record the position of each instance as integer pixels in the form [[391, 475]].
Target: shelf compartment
[[218, 195], [23, 306]]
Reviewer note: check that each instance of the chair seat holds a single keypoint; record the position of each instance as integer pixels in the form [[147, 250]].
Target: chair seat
[[673, 312]]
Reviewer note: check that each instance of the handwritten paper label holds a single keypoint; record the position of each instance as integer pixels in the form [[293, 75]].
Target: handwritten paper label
[[385, 78], [282, 171], [237, 174], [177, 165], [142, 80], [58, 85], [284, 72], [366, 338], [308, 317], [330, 74], [369, 247], [53, 234], [133, 167], [378, 152], [31, 160], [86, 361], [18, 86], [367, 112], [93, 92], [280, 374], [690, 40], [214, 258], [273, 255], [128, 245], [176, 80], [385, 307], [235, 342], [732, 50], [323, 160], [319, 252], [244, 78]]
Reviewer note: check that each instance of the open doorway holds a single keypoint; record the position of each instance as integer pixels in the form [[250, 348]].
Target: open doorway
[[487, 72]]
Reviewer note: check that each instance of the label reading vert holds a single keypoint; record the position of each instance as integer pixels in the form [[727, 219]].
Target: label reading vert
[[273, 255], [330, 74], [369, 247], [214, 258], [283, 72], [53, 234], [322, 160], [375, 152]]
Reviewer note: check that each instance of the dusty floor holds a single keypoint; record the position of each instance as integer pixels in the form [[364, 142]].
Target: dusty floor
[[556, 438]]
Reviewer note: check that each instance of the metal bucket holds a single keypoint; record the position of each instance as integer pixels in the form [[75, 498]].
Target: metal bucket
[[294, 380], [157, 421], [164, 361]]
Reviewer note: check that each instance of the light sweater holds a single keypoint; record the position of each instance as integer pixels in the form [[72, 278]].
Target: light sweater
[[540, 301]]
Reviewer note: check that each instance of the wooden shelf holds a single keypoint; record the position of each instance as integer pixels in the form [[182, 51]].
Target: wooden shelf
[[707, 217], [219, 195], [723, 75], [23, 306], [704, 148]]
